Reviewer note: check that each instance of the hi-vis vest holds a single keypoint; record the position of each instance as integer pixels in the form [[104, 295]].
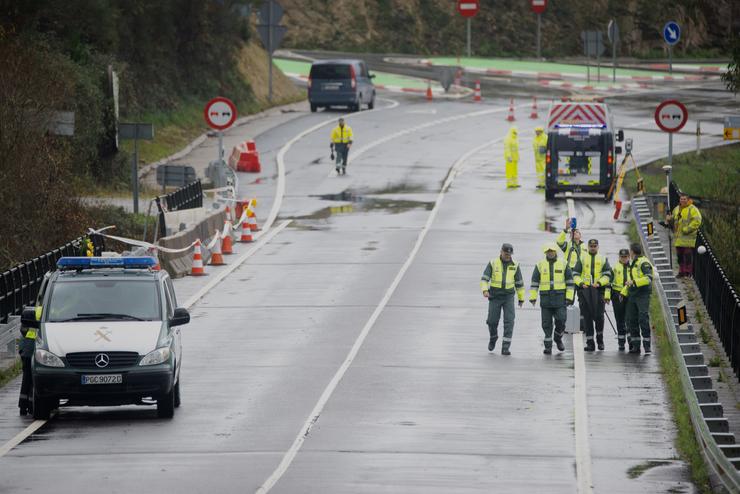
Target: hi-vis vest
[[621, 274], [573, 252], [554, 281], [31, 332], [341, 135], [635, 273], [686, 225], [591, 271], [497, 277]]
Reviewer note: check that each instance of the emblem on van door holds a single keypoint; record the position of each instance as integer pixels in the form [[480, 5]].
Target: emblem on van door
[[102, 360], [102, 335]]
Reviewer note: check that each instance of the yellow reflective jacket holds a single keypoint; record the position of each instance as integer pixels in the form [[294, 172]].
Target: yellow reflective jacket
[[686, 223], [341, 135], [539, 144], [641, 271], [511, 147], [573, 252], [543, 281], [592, 268], [620, 276], [495, 274]]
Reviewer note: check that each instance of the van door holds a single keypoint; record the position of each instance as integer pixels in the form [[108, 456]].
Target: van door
[[578, 158], [331, 78]]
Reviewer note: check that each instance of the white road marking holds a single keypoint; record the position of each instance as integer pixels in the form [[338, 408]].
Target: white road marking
[[329, 390], [583, 449], [35, 425]]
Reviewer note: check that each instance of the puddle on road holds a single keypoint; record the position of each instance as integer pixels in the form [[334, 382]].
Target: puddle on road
[[361, 204], [638, 470]]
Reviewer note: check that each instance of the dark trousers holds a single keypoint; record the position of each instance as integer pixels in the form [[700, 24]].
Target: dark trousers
[[495, 306], [24, 400], [620, 308], [548, 315], [638, 318], [342, 151], [592, 313], [685, 260]]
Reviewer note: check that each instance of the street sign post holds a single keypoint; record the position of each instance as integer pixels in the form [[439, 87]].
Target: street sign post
[[271, 34], [593, 46], [175, 175], [671, 116], [538, 7], [135, 131], [612, 32], [220, 114], [468, 9], [671, 35]]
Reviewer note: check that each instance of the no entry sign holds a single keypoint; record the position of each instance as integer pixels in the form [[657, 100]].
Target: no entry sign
[[220, 113], [468, 8], [538, 6], [671, 115]]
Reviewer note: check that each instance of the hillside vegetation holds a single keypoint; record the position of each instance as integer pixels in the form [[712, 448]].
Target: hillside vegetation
[[507, 27], [57, 55]]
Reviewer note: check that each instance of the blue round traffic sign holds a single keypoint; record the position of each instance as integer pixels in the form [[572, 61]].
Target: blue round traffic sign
[[671, 32]]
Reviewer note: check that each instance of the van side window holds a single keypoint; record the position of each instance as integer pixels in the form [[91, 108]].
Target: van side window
[[363, 70], [169, 298]]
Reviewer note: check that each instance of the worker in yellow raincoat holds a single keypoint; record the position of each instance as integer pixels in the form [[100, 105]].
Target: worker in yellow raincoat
[[539, 144], [511, 155]]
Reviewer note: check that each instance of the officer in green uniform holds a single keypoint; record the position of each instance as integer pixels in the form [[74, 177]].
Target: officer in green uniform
[[552, 278], [613, 293], [638, 289], [592, 275], [26, 349], [500, 279]]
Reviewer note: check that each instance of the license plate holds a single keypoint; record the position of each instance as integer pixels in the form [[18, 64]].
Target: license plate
[[331, 87], [102, 379]]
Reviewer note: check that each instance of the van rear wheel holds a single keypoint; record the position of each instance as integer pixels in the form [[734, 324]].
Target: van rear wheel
[[313, 108], [549, 195]]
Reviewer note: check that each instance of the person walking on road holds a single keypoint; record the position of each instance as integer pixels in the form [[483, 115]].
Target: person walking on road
[[500, 279], [638, 289], [613, 294], [685, 221], [552, 278], [592, 275], [539, 144], [511, 156], [341, 141], [26, 349]]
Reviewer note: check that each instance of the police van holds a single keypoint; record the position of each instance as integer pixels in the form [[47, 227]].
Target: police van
[[108, 333], [581, 148]]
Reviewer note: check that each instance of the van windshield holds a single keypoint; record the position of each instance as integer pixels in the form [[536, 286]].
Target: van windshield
[[104, 299], [579, 158], [330, 71]]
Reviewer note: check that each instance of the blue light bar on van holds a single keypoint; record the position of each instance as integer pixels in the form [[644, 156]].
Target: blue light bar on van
[[106, 262], [580, 126]]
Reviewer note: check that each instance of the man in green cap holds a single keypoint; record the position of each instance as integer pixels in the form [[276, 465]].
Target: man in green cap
[[553, 279], [500, 279]]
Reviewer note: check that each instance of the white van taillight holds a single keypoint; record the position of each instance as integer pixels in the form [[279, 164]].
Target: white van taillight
[[352, 76], [547, 157]]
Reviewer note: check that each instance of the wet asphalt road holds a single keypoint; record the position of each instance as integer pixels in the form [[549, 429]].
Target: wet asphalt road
[[423, 406]]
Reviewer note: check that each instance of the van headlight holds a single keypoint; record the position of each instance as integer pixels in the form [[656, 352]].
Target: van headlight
[[158, 356], [48, 359]]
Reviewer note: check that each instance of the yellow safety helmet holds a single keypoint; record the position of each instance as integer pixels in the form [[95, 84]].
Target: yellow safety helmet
[[549, 246], [539, 129], [513, 130]]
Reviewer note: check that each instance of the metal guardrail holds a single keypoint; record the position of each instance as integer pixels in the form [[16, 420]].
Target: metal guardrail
[[717, 292], [20, 285], [717, 444], [188, 197]]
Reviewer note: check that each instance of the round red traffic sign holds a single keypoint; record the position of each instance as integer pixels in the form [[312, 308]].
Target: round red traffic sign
[[538, 6], [220, 113], [468, 8], [671, 115]]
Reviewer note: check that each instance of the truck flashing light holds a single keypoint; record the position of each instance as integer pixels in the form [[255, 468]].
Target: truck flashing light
[[106, 262]]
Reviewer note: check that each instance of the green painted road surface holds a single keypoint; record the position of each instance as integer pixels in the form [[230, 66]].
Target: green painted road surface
[[381, 78], [534, 67]]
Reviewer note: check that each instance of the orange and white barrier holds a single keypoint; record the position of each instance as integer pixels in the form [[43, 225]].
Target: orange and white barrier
[[476, 94], [246, 235], [197, 269], [245, 158], [534, 108], [510, 117], [429, 90]]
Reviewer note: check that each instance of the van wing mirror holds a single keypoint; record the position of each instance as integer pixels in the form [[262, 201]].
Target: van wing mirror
[[620, 135], [618, 150], [28, 318], [180, 317]]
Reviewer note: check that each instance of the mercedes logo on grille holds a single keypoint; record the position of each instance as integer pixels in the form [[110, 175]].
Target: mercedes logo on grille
[[102, 360]]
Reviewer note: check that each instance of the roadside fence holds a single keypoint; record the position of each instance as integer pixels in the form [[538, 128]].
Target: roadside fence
[[187, 197]]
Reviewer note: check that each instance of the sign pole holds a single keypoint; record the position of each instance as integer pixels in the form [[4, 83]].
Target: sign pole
[[670, 59], [614, 62], [220, 145], [135, 171], [269, 51], [670, 148], [468, 37], [539, 25]]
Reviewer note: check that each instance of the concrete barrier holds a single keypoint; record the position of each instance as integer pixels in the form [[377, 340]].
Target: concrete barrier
[[178, 265]]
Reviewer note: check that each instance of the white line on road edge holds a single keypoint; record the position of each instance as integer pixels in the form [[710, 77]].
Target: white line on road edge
[[583, 449], [319, 407], [35, 425]]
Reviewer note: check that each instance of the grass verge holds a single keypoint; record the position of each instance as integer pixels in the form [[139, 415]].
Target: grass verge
[[7, 375], [686, 443]]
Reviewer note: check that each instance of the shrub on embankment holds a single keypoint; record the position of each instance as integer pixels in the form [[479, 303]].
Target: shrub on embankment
[[170, 57]]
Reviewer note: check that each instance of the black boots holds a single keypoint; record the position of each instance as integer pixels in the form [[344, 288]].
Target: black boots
[[559, 342], [590, 346], [492, 344], [600, 340]]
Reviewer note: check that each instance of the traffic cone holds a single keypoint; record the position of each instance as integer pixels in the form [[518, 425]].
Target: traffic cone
[[246, 230], [617, 209], [197, 269], [217, 258], [251, 214], [534, 108], [429, 90], [476, 94], [510, 117], [227, 243], [228, 213]]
